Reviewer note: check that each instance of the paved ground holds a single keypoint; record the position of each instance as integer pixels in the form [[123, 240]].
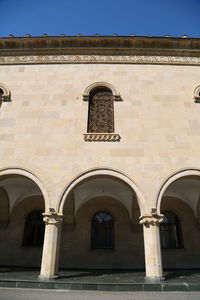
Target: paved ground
[[100, 276], [26, 294], [101, 280]]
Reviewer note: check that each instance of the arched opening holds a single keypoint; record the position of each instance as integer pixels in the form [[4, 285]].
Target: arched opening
[[101, 225], [21, 199], [179, 231]]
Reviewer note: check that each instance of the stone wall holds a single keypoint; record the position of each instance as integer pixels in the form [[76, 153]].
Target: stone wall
[[41, 131], [42, 127]]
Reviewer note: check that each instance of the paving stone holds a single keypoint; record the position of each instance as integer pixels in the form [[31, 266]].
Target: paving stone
[[183, 280], [153, 287]]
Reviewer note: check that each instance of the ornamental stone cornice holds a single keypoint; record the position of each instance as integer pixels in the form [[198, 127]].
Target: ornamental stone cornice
[[100, 49], [98, 59], [153, 220]]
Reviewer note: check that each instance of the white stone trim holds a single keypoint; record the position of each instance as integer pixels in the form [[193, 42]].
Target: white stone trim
[[101, 137], [95, 85], [175, 176], [106, 59], [103, 172], [31, 176]]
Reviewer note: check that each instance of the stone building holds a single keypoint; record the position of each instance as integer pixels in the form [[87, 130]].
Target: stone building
[[100, 136]]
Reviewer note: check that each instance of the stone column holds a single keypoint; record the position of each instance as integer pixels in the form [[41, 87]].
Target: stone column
[[152, 248], [50, 255]]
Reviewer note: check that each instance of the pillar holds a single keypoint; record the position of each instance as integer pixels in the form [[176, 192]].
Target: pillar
[[50, 255], [152, 248]]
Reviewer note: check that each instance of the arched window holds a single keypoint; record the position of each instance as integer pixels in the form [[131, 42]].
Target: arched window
[[34, 229], [197, 94], [102, 231], [100, 125], [5, 94], [101, 111], [170, 231]]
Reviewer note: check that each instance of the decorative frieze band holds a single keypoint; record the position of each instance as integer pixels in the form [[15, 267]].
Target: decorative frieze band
[[108, 59], [101, 137], [153, 220]]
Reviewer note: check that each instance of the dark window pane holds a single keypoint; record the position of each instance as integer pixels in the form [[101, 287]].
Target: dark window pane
[[170, 231], [34, 229], [102, 231]]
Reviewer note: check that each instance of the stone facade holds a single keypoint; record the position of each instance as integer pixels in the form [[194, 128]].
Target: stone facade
[[149, 164]]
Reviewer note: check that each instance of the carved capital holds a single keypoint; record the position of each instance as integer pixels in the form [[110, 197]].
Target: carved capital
[[52, 219], [152, 220]]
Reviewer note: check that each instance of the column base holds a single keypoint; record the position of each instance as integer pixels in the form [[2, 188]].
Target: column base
[[47, 278], [154, 279]]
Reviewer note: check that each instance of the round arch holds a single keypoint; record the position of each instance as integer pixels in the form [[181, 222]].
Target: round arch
[[196, 92], [103, 172], [6, 96], [95, 85], [21, 200], [170, 179], [31, 176]]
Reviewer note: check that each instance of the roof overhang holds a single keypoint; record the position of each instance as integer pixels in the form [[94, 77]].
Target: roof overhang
[[100, 45]]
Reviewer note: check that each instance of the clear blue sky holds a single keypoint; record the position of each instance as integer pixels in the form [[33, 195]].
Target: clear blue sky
[[88, 17]]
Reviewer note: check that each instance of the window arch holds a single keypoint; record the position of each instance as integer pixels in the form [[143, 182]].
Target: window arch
[[197, 94], [102, 231], [170, 231], [101, 111], [5, 94], [100, 125], [34, 229]]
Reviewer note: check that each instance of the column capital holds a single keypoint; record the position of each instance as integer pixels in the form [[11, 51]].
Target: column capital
[[150, 219], [52, 218]]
